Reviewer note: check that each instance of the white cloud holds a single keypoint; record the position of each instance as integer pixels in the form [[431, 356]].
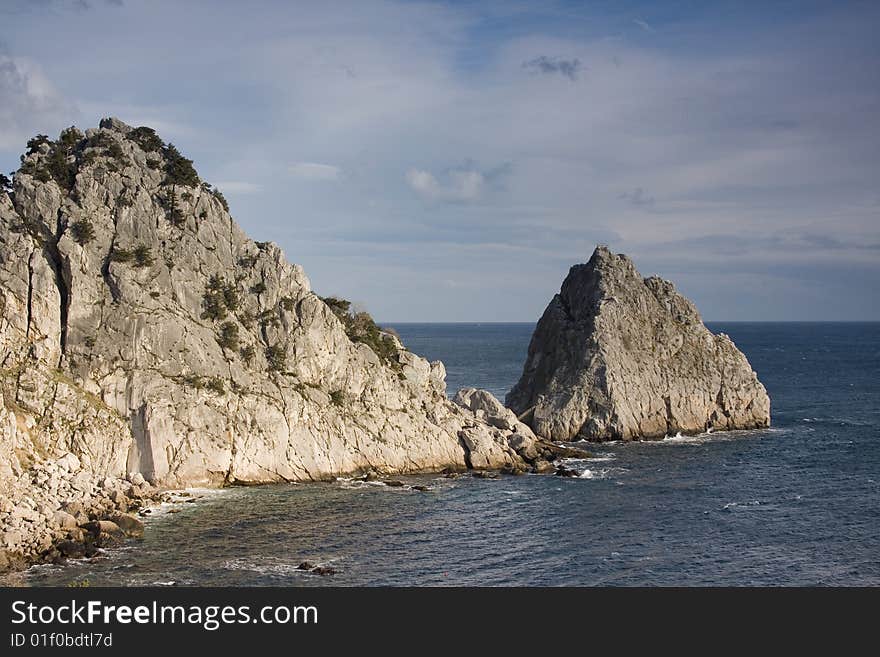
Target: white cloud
[[461, 184], [238, 187], [29, 103], [314, 171]]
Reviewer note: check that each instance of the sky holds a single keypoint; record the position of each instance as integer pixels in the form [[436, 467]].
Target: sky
[[449, 161]]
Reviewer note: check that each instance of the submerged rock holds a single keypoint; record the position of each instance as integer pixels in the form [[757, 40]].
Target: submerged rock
[[620, 357]]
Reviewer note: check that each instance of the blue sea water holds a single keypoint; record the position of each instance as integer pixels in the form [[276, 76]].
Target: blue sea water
[[797, 504]]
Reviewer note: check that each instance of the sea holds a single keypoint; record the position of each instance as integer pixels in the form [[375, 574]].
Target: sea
[[796, 504]]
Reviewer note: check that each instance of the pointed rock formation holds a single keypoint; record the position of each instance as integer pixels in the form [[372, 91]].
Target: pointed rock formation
[[620, 357]]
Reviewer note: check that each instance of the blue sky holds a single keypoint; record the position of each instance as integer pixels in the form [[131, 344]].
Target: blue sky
[[450, 161]]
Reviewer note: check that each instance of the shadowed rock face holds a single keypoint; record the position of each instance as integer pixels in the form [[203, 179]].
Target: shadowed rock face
[[620, 357], [142, 331]]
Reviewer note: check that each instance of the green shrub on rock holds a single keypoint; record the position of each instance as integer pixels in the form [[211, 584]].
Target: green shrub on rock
[[120, 255], [33, 144], [179, 170], [228, 337], [247, 354], [142, 256], [220, 298], [222, 199], [276, 355], [362, 329], [146, 138], [215, 384], [82, 231]]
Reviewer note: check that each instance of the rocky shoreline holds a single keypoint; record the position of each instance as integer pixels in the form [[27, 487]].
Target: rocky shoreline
[[76, 515], [59, 509]]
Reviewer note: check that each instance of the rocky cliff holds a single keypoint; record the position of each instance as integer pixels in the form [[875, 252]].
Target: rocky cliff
[[141, 331], [620, 357]]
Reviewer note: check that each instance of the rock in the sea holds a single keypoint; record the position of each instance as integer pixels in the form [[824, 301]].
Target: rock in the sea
[[562, 471], [132, 527], [620, 357]]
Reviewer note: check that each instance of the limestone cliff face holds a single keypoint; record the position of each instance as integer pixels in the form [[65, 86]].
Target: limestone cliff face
[[143, 331], [619, 357]]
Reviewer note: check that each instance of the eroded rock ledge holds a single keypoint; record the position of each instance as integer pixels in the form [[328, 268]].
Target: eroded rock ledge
[[619, 357]]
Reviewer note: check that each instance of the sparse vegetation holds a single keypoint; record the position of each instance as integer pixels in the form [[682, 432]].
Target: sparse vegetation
[[34, 143], [288, 303], [276, 355], [269, 318], [219, 299], [146, 138], [246, 318], [82, 231], [111, 149], [337, 397], [361, 328], [142, 256], [179, 170], [258, 288], [70, 138], [62, 171], [172, 212], [212, 383], [222, 199], [228, 336], [193, 381], [120, 255], [215, 384], [247, 261], [248, 354]]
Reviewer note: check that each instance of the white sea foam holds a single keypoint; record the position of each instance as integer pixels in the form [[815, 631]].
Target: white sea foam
[[732, 506]]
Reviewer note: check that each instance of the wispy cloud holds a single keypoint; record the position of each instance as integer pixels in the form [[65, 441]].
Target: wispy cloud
[[552, 65], [645, 25], [459, 185], [314, 171], [29, 102]]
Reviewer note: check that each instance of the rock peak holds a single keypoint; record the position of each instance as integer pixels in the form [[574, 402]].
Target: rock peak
[[618, 356], [113, 123]]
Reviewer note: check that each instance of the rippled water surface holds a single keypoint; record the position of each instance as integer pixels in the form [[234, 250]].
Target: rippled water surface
[[796, 504]]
